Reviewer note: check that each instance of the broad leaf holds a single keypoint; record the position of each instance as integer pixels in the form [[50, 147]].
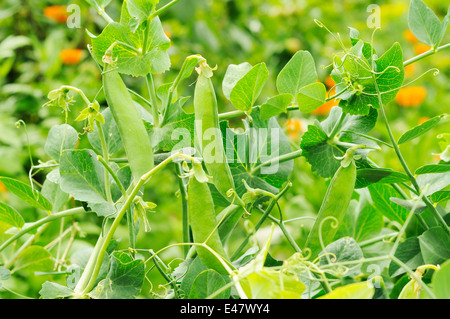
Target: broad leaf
[[359, 290], [247, 89], [440, 281], [82, 176], [420, 129], [368, 176], [297, 73], [26, 193], [342, 250], [311, 96], [10, 216], [435, 245], [208, 282], [275, 105], [34, 258], [52, 290], [381, 194], [368, 223], [60, 138], [233, 74], [424, 23], [111, 134], [124, 279]]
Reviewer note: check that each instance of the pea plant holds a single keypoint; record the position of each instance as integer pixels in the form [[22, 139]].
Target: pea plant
[[379, 233]]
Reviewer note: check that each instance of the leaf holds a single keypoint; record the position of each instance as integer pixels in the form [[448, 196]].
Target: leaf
[[433, 182], [10, 216], [275, 105], [381, 194], [440, 281], [368, 223], [206, 283], [55, 195], [26, 193], [343, 250], [82, 176], [124, 279], [432, 168], [111, 134], [424, 23], [233, 74], [154, 58], [368, 176], [297, 73], [141, 9], [60, 138], [247, 89], [34, 258], [410, 204], [435, 245], [409, 253], [311, 96], [271, 284], [420, 129], [5, 274], [359, 290], [440, 196], [187, 272], [52, 290]]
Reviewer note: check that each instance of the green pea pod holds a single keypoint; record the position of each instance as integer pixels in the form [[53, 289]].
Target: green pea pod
[[208, 135], [202, 219], [136, 141], [335, 204]]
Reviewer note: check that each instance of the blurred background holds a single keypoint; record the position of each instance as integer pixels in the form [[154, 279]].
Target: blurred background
[[39, 53]]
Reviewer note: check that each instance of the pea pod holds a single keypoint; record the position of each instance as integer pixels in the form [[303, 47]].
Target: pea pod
[[207, 124], [202, 219], [335, 203], [136, 141]]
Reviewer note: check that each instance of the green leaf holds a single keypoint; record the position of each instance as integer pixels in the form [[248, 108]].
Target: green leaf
[[359, 290], [368, 176], [311, 96], [343, 250], [432, 168], [297, 73], [124, 279], [34, 258], [381, 194], [141, 9], [440, 281], [410, 204], [271, 284], [82, 176], [208, 282], [111, 133], [60, 138], [10, 216], [420, 129], [409, 253], [247, 89], [368, 223], [5, 274], [153, 58], [433, 182], [187, 271], [233, 74], [26, 193], [435, 245], [275, 105], [55, 195], [440, 196], [52, 290], [424, 23]]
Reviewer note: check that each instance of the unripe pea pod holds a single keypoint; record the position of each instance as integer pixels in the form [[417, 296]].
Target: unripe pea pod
[[333, 208], [136, 141], [202, 219], [206, 126]]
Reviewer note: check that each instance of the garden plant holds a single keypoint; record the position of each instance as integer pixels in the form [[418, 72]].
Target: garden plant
[[81, 219]]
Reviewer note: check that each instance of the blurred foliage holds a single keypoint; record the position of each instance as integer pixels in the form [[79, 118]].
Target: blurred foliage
[[225, 32]]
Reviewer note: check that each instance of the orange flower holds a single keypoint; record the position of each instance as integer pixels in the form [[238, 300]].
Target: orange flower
[[57, 14], [410, 37], [423, 119], [293, 128], [420, 48], [409, 69], [71, 56], [2, 188], [412, 96], [329, 82]]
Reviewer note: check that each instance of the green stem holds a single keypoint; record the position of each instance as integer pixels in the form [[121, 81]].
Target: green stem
[[279, 159], [426, 54], [113, 174], [163, 9], [261, 220], [337, 126], [106, 159], [32, 226], [184, 207]]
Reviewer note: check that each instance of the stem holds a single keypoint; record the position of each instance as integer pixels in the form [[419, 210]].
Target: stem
[[261, 220], [279, 159], [337, 126], [426, 54], [162, 9], [106, 159], [184, 207], [113, 174], [32, 226]]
